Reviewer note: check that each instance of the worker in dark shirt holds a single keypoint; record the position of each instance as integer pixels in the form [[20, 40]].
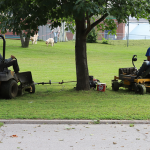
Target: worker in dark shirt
[[145, 66], [12, 61]]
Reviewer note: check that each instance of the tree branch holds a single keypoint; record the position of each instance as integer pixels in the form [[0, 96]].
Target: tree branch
[[99, 20], [89, 16], [95, 23], [88, 21]]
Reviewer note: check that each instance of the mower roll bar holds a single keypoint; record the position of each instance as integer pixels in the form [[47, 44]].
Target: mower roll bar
[[3, 48], [134, 58]]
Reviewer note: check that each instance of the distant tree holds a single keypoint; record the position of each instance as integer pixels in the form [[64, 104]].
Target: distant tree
[[21, 17], [81, 11]]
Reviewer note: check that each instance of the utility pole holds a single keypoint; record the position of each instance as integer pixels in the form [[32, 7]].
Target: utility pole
[[128, 33]]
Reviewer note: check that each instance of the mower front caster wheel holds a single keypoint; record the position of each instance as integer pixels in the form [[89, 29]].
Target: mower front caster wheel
[[115, 86], [140, 89], [31, 89]]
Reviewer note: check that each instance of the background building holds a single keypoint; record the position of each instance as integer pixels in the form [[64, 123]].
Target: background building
[[138, 29]]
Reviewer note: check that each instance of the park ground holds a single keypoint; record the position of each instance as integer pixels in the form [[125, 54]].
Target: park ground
[[62, 101]]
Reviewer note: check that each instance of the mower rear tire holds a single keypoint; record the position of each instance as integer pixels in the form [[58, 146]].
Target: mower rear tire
[[140, 89], [9, 89], [115, 86]]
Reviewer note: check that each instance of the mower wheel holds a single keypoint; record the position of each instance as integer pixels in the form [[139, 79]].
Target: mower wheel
[[130, 88], [115, 85], [32, 89], [121, 84], [9, 89], [140, 89]]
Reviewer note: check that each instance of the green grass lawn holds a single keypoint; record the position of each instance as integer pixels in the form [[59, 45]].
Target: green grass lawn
[[62, 101]]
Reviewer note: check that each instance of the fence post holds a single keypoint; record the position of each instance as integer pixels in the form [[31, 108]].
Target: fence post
[[42, 32], [128, 33]]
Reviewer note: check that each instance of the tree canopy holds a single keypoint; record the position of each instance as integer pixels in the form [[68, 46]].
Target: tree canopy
[[29, 14], [17, 16]]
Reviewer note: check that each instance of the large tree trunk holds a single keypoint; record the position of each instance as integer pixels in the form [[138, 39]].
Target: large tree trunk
[[24, 40], [81, 57]]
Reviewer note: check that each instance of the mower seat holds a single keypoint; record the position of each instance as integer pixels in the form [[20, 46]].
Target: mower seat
[[126, 71], [146, 74]]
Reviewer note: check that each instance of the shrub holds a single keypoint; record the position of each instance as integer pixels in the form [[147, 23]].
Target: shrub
[[92, 36], [105, 41]]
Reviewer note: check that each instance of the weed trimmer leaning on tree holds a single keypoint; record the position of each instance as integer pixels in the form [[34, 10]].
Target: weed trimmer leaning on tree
[[92, 82]]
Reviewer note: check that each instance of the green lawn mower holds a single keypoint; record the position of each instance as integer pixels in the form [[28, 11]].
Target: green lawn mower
[[13, 84], [128, 79]]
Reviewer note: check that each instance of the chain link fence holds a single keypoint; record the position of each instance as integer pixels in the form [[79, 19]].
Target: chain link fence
[[118, 39], [121, 36], [125, 39]]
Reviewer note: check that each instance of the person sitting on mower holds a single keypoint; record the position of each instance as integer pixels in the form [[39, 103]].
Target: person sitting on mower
[[9, 62], [144, 69]]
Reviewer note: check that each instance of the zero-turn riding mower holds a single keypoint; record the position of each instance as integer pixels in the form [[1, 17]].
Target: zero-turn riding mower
[[13, 84], [128, 79]]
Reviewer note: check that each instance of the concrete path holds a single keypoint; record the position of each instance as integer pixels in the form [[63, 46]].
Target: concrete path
[[75, 137]]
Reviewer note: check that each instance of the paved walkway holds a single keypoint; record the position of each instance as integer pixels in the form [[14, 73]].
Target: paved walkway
[[75, 136]]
